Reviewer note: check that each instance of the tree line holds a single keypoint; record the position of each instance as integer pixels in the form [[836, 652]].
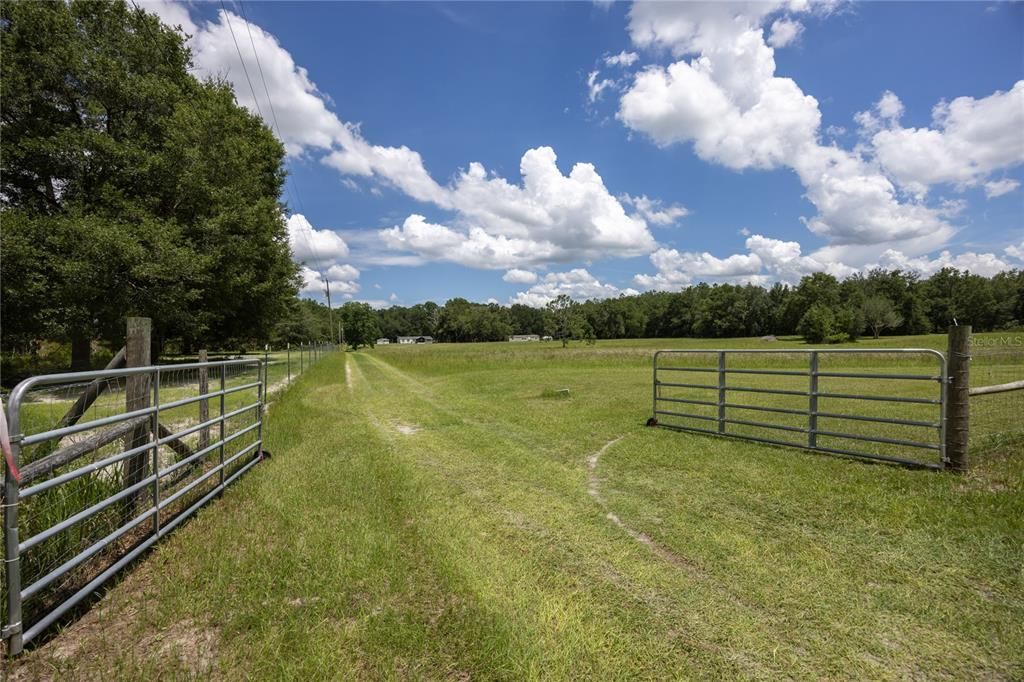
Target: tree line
[[820, 308]]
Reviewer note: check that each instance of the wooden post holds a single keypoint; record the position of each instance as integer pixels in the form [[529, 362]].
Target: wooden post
[[958, 404], [136, 395], [204, 404], [90, 394]]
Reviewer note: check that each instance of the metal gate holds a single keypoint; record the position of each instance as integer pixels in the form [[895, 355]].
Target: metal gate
[[872, 403], [113, 475]]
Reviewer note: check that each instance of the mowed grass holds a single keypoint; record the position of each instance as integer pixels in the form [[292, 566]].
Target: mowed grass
[[446, 513]]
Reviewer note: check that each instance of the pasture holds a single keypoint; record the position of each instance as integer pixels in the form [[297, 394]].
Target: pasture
[[446, 512]]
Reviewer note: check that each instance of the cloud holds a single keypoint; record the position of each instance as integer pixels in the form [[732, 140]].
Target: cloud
[[319, 253], [784, 32], [517, 276], [968, 141], [474, 248], [998, 188], [550, 218], [677, 270], [622, 59], [985, 264], [774, 260], [577, 284], [595, 87], [727, 101], [310, 245], [173, 14], [654, 211], [767, 260], [291, 103], [343, 280]]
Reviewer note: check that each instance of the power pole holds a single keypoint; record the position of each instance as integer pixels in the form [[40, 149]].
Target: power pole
[[330, 310]]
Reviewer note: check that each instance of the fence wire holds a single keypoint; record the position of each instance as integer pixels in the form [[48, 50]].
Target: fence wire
[[997, 417]]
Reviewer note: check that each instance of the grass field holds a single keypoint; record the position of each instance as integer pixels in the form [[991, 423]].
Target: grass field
[[445, 512]]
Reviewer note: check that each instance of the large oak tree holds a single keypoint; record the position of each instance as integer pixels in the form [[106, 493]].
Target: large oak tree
[[129, 187]]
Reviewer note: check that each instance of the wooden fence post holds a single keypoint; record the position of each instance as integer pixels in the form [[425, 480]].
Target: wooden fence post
[[958, 403], [204, 404], [136, 395]]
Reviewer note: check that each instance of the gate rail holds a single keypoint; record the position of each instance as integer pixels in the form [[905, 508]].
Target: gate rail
[[720, 394], [142, 475]]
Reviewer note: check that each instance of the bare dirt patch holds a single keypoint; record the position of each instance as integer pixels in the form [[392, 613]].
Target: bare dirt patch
[[115, 627], [407, 429]]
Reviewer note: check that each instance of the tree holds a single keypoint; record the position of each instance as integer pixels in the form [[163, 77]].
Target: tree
[[564, 320], [817, 289], [818, 324], [360, 322], [849, 323], [880, 314], [526, 320], [128, 187]]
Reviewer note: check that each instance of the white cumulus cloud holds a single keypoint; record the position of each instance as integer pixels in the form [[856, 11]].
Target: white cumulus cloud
[[550, 218], [722, 95], [517, 276], [310, 245], [578, 284], [968, 141]]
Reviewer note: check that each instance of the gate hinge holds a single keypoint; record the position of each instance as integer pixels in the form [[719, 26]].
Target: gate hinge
[[10, 630]]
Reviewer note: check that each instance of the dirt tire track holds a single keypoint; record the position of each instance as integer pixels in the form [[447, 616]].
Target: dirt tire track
[[643, 538]]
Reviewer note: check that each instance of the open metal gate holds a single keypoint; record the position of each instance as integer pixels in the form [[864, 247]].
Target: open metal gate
[[86, 494], [872, 403]]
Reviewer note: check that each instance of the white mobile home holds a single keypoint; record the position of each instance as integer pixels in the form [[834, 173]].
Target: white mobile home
[[415, 339], [524, 337]]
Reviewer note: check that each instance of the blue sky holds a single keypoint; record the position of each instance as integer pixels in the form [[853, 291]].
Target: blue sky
[[728, 142]]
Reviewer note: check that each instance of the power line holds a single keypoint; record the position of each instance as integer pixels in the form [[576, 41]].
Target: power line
[[270, 100], [290, 180], [227, 18]]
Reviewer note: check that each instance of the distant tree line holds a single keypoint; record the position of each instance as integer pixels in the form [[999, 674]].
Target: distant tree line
[[820, 308]]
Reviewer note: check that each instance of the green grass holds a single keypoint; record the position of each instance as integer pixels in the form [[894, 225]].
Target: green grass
[[429, 514]]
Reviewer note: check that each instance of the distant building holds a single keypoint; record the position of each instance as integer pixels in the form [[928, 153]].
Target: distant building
[[415, 339], [383, 342], [546, 338], [524, 337]]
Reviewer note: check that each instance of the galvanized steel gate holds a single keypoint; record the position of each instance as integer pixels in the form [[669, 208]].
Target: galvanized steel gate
[[146, 469], [798, 389]]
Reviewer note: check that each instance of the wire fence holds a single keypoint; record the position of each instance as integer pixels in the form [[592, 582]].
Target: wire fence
[[107, 462], [996, 417]]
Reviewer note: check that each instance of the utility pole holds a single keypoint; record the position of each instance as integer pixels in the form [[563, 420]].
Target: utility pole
[[330, 310]]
